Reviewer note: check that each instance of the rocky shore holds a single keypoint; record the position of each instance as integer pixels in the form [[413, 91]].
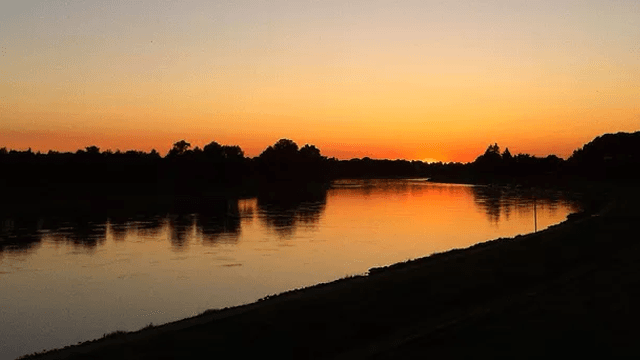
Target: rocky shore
[[571, 290]]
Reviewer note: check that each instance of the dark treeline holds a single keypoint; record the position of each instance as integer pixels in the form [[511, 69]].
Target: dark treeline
[[107, 179], [614, 157], [610, 157], [98, 181], [182, 169]]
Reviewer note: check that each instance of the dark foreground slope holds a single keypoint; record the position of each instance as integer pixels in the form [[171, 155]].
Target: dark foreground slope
[[571, 290]]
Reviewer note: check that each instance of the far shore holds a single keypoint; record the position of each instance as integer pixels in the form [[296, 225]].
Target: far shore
[[570, 290]]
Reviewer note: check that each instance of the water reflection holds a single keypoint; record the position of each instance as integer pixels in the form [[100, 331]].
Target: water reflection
[[24, 233], [180, 226], [82, 233], [229, 252], [223, 224], [283, 211], [147, 227], [218, 220], [19, 234], [215, 228], [498, 202]]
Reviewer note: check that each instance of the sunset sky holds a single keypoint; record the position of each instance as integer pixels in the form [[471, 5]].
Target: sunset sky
[[385, 79]]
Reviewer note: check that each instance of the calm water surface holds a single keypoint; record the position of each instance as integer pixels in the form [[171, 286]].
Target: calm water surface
[[68, 280]]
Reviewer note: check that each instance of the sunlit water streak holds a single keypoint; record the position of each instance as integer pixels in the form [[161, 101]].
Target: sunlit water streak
[[65, 281]]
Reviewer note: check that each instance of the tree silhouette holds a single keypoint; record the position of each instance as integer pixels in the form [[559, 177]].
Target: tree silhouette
[[608, 156], [492, 149], [310, 152], [284, 161], [213, 152], [506, 155], [285, 146], [490, 157], [179, 148], [233, 153], [284, 151], [93, 150]]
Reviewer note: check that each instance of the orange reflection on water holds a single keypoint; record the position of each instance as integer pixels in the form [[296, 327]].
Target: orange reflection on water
[[83, 278], [383, 222]]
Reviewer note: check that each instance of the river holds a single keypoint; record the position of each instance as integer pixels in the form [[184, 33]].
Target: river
[[66, 280]]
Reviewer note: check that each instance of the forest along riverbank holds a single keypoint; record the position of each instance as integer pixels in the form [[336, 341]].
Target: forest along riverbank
[[570, 289]]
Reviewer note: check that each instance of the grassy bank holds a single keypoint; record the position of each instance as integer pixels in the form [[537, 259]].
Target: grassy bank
[[569, 290]]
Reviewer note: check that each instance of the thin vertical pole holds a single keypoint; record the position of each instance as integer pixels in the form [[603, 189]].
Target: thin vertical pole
[[535, 216]]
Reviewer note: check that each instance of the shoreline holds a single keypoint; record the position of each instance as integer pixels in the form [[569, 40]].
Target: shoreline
[[382, 314]]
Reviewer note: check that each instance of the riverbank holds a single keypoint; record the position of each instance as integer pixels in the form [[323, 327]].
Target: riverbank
[[570, 289]]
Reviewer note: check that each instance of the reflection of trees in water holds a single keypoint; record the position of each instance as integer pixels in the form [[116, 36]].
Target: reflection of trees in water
[[24, 233], [143, 226], [118, 227], [503, 201], [367, 187], [213, 225], [283, 211], [220, 218], [247, 208], [20, 234], [81, 232], [553, 209], [121, 227], [149, 227], [180, 227]]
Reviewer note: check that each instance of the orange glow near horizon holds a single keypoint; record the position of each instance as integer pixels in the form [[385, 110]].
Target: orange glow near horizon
[[410, 81], [462, 145], [462, 150]]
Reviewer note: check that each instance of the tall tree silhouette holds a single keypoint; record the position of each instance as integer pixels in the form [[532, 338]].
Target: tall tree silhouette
[[284, 161], [506, 155], [179, 148]]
